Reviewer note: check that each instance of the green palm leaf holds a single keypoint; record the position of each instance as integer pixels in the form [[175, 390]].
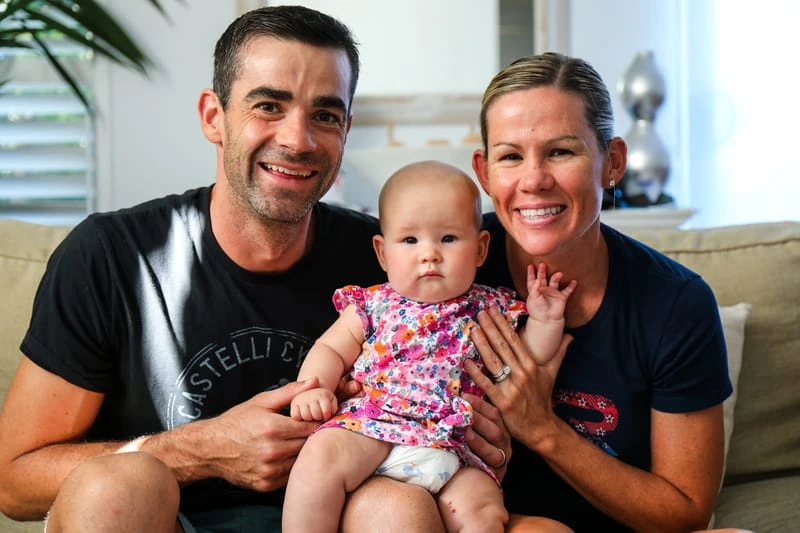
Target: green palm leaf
[[65, 75], [28, 23]]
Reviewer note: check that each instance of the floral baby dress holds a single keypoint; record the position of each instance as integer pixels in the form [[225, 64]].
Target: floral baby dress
[[411, 366]]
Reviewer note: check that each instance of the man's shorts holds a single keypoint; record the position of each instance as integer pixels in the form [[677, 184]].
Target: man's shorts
[[240, 519]]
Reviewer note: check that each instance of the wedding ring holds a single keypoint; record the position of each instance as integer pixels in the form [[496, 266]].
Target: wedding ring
[[502, 461], [501, 374]]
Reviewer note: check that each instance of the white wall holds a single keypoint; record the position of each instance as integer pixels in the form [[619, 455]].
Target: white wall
[[608, 34], [149, 138], [150, 142], [419, 46]]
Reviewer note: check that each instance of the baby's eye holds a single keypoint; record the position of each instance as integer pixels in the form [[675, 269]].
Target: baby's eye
[[410, 240], [449, 238]]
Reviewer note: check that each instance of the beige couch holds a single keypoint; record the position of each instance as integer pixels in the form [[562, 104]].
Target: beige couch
[[757, 264]]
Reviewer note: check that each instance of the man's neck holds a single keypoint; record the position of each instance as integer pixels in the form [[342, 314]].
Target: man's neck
[[257, 246]]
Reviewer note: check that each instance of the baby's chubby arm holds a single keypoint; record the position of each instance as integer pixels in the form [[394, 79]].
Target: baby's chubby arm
[[334, 352], [546, 304]]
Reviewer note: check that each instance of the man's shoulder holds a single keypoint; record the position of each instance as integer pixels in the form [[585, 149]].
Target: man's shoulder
[[192, 202], [148, 222]]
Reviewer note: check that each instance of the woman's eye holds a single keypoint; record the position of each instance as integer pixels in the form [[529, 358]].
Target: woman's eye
[[449, 238], [557, 152], [510, 157]]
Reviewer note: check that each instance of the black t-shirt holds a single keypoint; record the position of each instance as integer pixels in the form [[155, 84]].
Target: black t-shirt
[[143, 306], [656, 342]]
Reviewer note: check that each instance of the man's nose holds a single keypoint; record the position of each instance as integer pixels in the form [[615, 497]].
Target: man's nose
[[295, 133]]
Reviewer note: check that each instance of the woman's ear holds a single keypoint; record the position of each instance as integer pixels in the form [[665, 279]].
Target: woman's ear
[[378, 244], [618, 160], [481, 168], [211, 116]]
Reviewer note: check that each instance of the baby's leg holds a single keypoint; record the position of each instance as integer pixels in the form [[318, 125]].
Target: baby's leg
[[472, 501], [332, 462]]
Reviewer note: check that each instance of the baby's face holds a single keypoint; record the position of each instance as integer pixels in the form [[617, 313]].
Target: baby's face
[[431, 246]]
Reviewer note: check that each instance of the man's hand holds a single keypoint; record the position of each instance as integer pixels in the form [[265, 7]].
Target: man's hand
[[251, 445], [314, 405]]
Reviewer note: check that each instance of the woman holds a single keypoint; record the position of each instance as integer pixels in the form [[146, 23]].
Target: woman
[[625, 431]]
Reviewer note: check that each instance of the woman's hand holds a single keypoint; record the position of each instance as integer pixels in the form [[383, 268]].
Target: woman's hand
[[523, 397], [488, 437]]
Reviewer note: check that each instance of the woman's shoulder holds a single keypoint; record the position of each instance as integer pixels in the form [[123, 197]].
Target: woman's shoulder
[[627, 253], [645, 274]]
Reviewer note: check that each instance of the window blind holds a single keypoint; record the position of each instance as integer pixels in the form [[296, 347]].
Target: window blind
[[47, 140]]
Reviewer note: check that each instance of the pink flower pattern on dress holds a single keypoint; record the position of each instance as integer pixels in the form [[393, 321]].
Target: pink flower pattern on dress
[[411, 366]]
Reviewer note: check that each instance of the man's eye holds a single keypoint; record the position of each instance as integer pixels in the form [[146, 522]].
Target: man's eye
[[449, 238], [557, 152], [410, 240], [329, 117], [510, 157], [269, 107]]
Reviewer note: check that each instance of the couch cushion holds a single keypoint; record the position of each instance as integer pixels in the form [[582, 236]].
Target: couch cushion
[[24, 249], [759, 264], [733, 319], [767, 506]]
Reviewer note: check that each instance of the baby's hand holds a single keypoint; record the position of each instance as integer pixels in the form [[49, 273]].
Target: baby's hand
[[314, 405], [545, 300]]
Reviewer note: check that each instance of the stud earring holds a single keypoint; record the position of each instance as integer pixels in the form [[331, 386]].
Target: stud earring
[[613, 185]]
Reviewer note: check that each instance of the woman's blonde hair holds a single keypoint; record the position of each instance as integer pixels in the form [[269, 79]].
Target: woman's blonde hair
[[563, 72]]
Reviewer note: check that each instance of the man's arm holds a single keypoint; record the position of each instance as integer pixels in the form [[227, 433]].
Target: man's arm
[[44, 419], [41, 411]]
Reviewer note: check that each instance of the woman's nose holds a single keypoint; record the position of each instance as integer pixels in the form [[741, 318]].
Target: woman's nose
[[536, 176]]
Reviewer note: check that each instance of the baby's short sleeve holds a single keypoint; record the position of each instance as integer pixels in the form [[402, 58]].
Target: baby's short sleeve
[[508, 304], [356, 296]]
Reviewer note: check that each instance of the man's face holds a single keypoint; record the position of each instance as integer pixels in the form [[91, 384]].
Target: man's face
[[285, 127]]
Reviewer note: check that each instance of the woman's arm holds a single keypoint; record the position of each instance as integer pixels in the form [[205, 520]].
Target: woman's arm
[[687, 449]]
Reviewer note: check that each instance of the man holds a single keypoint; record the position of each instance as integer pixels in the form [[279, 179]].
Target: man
[[174, 330]]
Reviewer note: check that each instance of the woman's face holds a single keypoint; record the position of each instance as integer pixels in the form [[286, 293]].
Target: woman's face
[[544, 169]]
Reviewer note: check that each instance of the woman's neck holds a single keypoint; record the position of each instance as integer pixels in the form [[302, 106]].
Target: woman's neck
[[585, 260]]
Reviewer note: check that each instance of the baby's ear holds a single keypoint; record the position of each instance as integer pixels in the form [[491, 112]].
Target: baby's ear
[[378, 244], [483, 246]]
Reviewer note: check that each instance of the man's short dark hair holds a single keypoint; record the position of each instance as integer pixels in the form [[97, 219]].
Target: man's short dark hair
[[291, 23]]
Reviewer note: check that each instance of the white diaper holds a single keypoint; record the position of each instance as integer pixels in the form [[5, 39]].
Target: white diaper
[[429, 468]]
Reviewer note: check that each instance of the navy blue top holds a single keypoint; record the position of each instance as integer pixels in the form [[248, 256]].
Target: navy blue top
[[656, 342]]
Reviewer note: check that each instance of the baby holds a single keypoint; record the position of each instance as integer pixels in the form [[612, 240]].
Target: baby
[[405, 342]]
